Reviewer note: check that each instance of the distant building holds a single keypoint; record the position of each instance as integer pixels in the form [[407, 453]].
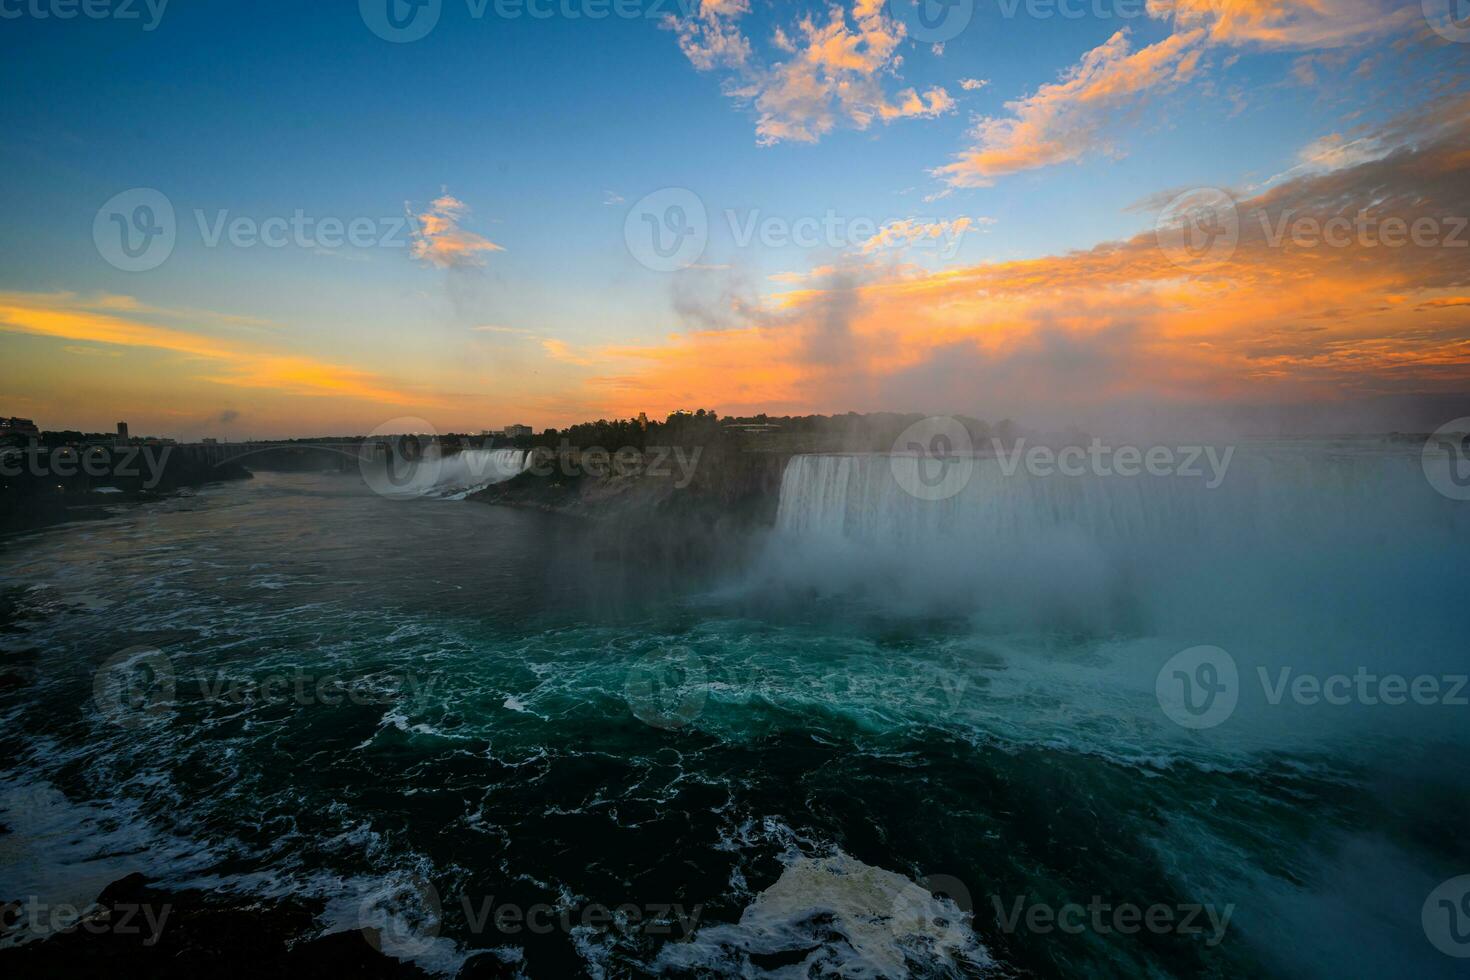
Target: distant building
[[642, 420], [210, 441], [122, 433], [16, 430], [514, 431], [18, 427]]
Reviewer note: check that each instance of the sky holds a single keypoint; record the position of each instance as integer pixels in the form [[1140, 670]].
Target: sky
[[269, 219]]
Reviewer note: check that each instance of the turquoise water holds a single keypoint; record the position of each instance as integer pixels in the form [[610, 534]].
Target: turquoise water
[[856, 751]]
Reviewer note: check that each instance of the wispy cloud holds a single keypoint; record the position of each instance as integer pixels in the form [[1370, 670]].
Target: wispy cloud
[[945, 235], [562, 351], [1121, 321], [114, 320], [132, 305], [823, 72], [1334, 151], [1067, 119], [440, 240], [1079, 114], [1288, 23]]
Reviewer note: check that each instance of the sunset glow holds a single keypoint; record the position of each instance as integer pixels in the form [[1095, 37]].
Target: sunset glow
[[998, 254]]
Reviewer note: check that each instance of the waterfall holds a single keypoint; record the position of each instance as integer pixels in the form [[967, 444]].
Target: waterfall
[[472, 470], [1336, 539]]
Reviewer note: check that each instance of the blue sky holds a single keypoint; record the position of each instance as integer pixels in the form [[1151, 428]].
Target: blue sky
[[547, 130]]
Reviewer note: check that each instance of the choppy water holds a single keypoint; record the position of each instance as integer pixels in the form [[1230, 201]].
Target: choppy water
[[419, 711]]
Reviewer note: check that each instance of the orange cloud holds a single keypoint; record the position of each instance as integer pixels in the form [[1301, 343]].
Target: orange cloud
[[1277, 320], [1287, 23], [1064, 120], [562, 351], [909, 231], [833, 74], [107, 321], [442, 242]]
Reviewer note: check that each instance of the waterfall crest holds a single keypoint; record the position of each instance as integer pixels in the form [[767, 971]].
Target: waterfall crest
[[1328, 536], [467, 472]]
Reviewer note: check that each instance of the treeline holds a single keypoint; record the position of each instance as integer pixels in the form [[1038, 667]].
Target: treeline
[[856, 432], [73, 437], [850, 432], [700, 428]]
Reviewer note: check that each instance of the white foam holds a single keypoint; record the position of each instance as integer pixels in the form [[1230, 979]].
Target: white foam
[[854, 919]]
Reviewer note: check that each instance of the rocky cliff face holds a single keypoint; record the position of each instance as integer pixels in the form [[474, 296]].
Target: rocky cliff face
[[687, 503], [714, 486]]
